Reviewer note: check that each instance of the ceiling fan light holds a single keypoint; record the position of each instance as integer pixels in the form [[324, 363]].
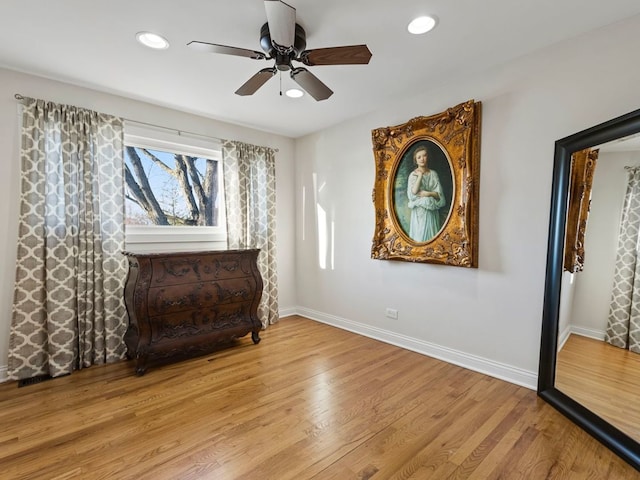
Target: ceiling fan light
[[421, 25], [294, 93], [152, 40]]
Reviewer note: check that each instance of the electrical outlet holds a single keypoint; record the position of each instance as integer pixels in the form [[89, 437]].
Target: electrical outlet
[[391, 313]]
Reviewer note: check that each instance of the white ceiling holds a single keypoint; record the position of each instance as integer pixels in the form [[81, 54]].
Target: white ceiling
[[92, 43]]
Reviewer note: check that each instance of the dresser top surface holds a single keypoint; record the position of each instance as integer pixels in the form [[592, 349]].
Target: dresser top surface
[[187, 253]]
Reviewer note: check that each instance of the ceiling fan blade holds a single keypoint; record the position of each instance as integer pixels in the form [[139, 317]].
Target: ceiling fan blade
[[215, 48], [311, 84], [347, 55], [282, 22], [254, 83]]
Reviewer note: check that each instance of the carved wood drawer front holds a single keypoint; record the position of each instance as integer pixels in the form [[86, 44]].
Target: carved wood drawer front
[[164, 300], [199, 322], [190, 269]]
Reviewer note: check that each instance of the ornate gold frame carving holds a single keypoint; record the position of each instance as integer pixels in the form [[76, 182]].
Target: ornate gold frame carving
[[451, 138], [583, 165]]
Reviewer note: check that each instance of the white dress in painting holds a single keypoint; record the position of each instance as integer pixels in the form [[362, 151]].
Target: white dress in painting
[[425, 211]]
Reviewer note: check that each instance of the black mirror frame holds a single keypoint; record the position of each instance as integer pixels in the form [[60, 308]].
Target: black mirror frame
[[619, 442]]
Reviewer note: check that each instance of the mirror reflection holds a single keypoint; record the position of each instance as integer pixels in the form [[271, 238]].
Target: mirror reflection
[[598, 360]]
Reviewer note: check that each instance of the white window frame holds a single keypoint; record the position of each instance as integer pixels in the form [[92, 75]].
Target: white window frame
[[169, 237]]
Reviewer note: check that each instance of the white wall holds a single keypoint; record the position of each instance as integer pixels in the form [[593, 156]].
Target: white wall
[[488, 319], [13, 82], [593, 285]]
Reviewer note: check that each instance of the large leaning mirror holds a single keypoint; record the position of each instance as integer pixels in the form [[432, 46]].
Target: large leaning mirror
[[590, 348]]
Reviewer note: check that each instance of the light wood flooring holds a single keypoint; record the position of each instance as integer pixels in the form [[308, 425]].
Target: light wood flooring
[[604, 378], [309, 402]]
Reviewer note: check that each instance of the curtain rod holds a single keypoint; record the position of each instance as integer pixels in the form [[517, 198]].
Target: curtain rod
[[180, 133], [21, 99]]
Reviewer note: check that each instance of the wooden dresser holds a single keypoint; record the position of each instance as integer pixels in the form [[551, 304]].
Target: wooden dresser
[[186, 303]]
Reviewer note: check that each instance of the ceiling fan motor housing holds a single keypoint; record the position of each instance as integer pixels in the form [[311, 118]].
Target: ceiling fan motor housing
[[283, 54]]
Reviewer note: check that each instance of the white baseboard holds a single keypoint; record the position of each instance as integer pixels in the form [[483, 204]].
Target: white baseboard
[[588, 332], [287, 312], [502, 371], [4, 369]]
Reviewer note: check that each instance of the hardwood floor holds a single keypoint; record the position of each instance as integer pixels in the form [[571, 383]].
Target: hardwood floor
[[604, 378], [309, 402]]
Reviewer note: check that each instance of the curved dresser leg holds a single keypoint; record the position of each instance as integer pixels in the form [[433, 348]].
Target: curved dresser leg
[[141, 365], [255, 336]]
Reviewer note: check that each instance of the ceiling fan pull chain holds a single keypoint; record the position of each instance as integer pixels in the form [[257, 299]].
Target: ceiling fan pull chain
[[280, 82]]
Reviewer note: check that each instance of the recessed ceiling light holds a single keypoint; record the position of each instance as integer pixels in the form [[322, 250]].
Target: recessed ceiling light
[[294, 93], [422, 25], [152, 40]]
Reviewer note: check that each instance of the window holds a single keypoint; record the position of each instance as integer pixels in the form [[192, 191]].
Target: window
[[173, 190]]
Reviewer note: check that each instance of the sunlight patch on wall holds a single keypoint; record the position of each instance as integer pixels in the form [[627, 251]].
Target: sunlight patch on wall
[[322, 236], [323, 233], [333, 245], [304, 207]]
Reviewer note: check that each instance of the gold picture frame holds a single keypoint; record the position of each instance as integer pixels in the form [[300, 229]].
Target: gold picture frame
[[421, 216], [583, 166]]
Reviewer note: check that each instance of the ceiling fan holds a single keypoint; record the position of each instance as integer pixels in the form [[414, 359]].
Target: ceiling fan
[[284, 41]]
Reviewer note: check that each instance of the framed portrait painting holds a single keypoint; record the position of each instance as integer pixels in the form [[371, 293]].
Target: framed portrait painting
[[426, 188], [583, 166]]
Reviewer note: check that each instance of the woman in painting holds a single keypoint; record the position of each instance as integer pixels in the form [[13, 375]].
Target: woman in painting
[[425, 198]]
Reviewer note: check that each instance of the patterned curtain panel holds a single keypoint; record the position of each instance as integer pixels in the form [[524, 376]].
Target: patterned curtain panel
[[250, 197], [68, 310], [623, 329]]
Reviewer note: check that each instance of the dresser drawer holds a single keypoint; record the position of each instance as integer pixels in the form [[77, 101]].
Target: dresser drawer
[[202, 268], [166, 300], [199, 322]]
